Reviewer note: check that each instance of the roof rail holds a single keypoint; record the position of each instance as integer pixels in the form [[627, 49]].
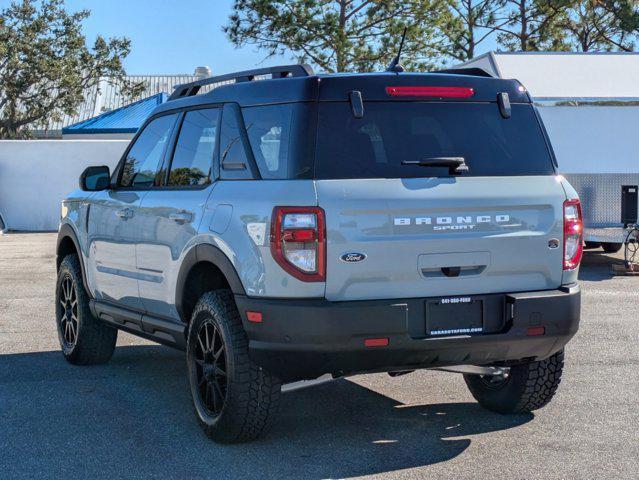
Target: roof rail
[[283, 71], [474, 72]]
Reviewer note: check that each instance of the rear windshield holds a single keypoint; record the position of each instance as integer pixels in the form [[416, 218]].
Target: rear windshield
[[392, 132]]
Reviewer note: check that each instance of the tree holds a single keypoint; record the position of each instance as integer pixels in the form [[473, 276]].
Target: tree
[[469, 23], [340, 35], [46, 66], [533, 25], [593, 26], [615, 22]]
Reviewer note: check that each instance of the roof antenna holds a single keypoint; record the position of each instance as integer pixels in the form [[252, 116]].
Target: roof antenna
[[394, 66]]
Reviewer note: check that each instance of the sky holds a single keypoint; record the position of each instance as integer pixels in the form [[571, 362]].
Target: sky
[[170, 36]]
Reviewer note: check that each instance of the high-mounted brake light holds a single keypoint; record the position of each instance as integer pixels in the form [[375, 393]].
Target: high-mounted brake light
[[298, 242], [573, 234], [440, 92]]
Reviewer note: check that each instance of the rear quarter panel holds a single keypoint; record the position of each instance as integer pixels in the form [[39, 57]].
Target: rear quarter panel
[[237, 220]]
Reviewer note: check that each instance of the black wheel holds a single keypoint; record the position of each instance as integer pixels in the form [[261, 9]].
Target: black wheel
[[611, 247], [526, 387], [592, 245], [84, 339], [234, 399]]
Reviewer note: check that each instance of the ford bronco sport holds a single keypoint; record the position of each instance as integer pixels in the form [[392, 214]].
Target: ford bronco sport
[[280, 226]]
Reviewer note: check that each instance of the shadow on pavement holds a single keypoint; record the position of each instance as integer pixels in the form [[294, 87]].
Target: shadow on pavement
[[596, 265], [133, 418]]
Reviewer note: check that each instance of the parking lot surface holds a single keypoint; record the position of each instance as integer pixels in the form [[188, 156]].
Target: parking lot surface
[[132, 417]]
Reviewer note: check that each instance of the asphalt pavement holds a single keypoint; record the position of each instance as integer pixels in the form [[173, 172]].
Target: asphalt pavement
[[132, 418]]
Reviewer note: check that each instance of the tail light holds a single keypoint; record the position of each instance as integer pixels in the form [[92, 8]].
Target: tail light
[[298, 242], [440, 92], [573, 234]]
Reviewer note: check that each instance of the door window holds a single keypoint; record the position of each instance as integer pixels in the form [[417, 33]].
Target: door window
[[145, 156], [195, 149]]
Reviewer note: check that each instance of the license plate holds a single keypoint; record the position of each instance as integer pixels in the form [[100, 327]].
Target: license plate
[[454, 316]]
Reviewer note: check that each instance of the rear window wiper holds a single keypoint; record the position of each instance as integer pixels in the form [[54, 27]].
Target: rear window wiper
[[454, 164]]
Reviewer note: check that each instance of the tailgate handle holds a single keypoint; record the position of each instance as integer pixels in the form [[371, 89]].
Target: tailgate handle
[[453, 271]]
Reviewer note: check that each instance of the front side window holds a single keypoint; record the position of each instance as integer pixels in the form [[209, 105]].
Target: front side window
[[145, 156], [195, 149]]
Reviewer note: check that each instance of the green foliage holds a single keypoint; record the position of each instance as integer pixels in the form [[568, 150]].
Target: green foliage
[[468, 23], [187, 176], [602, 25], [581, 25], [362, 35], [46, 66], [340, 35], [533, 25]]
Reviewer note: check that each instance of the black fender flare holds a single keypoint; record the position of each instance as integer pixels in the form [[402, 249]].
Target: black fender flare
[[67, 231], [206, 252]]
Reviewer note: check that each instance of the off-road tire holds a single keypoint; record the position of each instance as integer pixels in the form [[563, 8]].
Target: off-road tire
[[251, 397], [94, 341], [611, 247], [528, 387]]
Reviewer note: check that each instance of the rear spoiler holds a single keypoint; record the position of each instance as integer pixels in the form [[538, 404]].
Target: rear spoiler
[[473, 72]]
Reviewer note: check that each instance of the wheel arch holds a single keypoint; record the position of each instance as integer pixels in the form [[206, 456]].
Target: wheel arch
[[67, 244], [205, 267]]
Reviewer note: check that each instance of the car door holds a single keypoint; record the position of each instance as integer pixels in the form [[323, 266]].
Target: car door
[[112, 228], [170, 214]]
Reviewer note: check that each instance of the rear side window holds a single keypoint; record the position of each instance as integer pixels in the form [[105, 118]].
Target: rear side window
[[233, 160], [195, 149], [146, 154], [392, 132], [282, 139], [268, 130]]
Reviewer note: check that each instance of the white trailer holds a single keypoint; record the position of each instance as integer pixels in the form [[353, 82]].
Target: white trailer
[[589, 103]]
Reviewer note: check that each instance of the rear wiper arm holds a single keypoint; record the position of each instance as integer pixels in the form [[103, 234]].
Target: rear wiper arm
[[454, 164]]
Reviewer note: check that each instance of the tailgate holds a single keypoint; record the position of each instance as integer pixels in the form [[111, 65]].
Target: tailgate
[[423, 237]]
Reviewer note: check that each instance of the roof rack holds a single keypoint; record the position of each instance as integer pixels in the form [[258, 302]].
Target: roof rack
[[283, 71], [474, 72]]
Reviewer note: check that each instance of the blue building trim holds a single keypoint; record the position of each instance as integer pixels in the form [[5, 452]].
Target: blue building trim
[[127, 119]]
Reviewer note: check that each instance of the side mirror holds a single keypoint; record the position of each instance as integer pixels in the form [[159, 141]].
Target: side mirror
[[94, 179]]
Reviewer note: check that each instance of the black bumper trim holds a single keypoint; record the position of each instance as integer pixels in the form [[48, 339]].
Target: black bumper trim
[[306, 338]]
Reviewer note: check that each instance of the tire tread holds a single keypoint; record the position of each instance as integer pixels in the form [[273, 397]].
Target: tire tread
[[253, 401], [531, 386], [96, 341]]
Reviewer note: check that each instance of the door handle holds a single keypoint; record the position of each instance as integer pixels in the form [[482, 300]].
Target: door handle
[[124, 213], [183, 217]]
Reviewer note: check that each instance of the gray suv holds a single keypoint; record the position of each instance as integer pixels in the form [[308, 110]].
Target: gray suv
[[280, 226]]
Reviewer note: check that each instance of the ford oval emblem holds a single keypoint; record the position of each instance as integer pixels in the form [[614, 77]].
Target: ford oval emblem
[[553, 243], [353, 257]]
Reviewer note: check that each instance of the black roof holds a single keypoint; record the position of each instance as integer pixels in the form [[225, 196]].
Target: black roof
[[298, 83]]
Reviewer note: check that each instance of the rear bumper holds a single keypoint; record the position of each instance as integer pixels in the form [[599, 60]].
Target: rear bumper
[[300, 339]]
